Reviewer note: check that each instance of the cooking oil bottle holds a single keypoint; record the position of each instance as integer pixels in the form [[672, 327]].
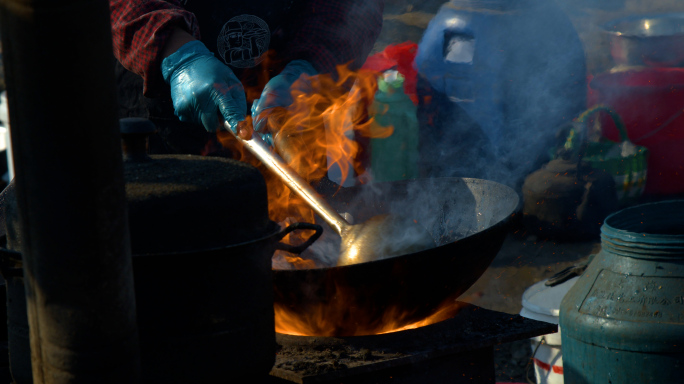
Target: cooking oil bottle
[[394, 157]]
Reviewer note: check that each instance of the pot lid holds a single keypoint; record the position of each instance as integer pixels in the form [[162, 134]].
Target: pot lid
[[179, 203], [541, 302]]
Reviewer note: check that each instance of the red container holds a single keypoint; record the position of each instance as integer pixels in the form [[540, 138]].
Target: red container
[[651, 103]]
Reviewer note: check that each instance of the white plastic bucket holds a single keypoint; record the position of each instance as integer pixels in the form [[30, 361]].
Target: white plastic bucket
[[542, 303]]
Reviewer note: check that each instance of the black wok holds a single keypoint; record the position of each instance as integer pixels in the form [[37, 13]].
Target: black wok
[[467, 218]]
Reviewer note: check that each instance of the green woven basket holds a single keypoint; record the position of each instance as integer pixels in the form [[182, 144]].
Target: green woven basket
[[626, 162]]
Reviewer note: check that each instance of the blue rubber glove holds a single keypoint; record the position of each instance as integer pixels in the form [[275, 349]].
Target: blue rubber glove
[[202, 87], [277, 93]]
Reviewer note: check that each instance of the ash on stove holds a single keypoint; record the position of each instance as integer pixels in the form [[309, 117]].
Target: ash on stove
[[323, 359], [464, 342]]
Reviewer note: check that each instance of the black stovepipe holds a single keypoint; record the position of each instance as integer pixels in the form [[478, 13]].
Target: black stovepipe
[[70, 190]]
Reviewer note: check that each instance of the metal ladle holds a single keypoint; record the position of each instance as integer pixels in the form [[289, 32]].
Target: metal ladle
[[380, 237]]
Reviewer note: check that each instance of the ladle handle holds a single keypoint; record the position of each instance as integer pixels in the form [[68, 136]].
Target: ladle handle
[[296, 183]]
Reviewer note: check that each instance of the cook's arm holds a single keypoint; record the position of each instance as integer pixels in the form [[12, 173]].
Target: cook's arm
[[142, 29], [178, 38], [159, 41]]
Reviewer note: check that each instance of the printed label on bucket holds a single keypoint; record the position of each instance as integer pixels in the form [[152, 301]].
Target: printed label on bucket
[[636, 298]]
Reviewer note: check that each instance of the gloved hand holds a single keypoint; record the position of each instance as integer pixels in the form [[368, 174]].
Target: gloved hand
[[202, 87], [277, 93]]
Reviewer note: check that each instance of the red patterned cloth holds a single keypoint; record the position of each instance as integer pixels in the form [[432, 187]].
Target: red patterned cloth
[[140, 29], [326, 33]]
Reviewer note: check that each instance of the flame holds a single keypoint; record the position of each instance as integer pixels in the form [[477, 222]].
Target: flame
[[336, 320], [338, 316], [316, 132], [448, 310]]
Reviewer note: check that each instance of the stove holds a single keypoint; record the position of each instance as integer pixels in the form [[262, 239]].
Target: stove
[[457, 350]]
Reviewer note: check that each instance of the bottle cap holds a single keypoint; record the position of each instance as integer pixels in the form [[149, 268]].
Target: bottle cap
[[390, 81]]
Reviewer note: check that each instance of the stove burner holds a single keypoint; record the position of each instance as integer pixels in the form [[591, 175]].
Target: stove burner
[[456, 350]]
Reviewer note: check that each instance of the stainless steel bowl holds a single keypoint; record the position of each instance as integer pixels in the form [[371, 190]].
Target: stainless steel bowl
[[647, 40]]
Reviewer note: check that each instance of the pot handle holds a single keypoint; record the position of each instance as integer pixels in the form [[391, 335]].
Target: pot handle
[[297, 249], [9, 269]]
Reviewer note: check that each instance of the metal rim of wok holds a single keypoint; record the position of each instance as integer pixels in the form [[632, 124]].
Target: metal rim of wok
[[415, 284]]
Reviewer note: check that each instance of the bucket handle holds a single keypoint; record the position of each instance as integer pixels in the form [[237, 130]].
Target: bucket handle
[[531, 362], [614, 115], [297, 249], [581, 121], [619, 124]]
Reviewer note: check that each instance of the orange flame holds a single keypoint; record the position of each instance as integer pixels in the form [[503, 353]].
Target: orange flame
[[315, 133], [325, 117], [334, 320]]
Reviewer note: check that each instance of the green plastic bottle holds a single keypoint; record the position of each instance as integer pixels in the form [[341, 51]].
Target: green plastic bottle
[[394, 157]]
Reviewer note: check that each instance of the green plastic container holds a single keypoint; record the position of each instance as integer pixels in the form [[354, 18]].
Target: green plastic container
[[623, 320], [395, 157]]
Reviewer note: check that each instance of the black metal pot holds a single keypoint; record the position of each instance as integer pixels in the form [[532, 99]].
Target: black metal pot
[[202, 316], [202, 244]]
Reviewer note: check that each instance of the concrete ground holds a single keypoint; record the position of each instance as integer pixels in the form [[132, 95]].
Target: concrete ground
[[523, 261]]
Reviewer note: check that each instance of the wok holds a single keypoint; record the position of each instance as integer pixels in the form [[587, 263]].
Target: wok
[[467, 218]]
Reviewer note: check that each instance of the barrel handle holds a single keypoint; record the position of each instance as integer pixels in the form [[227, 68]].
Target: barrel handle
[[8, 269]]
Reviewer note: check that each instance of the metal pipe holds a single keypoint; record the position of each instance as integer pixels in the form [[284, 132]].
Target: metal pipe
[[293, 180], [70, 190]]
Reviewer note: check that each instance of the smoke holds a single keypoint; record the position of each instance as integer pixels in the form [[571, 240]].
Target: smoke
[[495, 115], [449, 209]]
